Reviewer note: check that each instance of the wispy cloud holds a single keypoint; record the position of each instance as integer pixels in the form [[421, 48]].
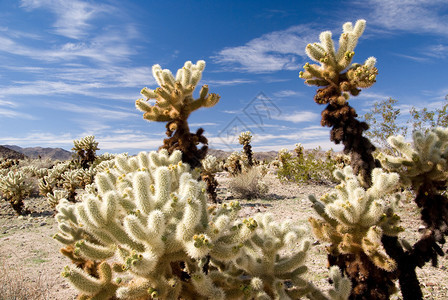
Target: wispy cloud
[[416, 16], [287, 93], [54, 88], [202, 124], [271, 52], [117, 113], [9, 113], [72, 17], [228, 82]]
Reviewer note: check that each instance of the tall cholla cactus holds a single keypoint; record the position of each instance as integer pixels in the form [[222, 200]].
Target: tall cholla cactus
[[338, 85], [354, 220], [424, 167], [174, 104], [85, 149], [210, 166], [15, 188], [244, 139], [149, 233]]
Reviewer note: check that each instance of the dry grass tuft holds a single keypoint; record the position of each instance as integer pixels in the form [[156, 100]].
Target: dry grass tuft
[[15, 286], [248, 185]]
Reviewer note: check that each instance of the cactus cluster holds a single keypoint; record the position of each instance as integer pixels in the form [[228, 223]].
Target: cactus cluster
[[174, 104], [236, 163], [149, 233], [15, 188], [338, 83]]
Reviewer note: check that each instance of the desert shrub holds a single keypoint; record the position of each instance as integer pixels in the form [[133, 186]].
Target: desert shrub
[[249, 184], [310, 166]]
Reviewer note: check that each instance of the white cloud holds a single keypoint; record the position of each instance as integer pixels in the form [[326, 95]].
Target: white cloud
[[42, 139], [298, 117], [107, 143], [271, 52]]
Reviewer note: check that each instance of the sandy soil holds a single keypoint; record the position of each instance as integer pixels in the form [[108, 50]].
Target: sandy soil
[[29, 255]]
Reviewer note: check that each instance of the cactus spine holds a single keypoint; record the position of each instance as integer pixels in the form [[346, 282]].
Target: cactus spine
[[174, 104]]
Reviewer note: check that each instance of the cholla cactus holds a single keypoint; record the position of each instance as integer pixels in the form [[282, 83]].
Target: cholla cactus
[[174, 104], [150, 233], [424, 167], [210, 166], [236, 163], [354, 220], [85, 149], [244, 139], [299, 151], [71, 182], [338, 84], [46, 185], [55, 197], [15, 188]]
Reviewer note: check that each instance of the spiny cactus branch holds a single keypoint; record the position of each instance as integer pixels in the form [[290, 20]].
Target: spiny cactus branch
[[174, 104]]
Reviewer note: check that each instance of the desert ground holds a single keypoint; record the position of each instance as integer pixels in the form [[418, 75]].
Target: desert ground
[[30, 264]]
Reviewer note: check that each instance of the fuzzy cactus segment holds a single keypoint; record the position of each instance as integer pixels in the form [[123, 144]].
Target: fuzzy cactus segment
[[148, 232], [353, 219], [333, 62], [424, 161]]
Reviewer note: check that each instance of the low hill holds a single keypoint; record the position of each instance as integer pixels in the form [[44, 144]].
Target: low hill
[[35, 152], [7, 153]]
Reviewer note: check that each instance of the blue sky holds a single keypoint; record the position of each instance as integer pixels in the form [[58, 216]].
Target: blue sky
[[74, 68]]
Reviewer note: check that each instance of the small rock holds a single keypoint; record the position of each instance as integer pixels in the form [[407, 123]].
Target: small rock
[[20, 217], [43, 224], [421, 228]]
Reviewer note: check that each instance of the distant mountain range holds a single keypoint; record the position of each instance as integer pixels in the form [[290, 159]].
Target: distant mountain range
[[15, 152], [35, 152]]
